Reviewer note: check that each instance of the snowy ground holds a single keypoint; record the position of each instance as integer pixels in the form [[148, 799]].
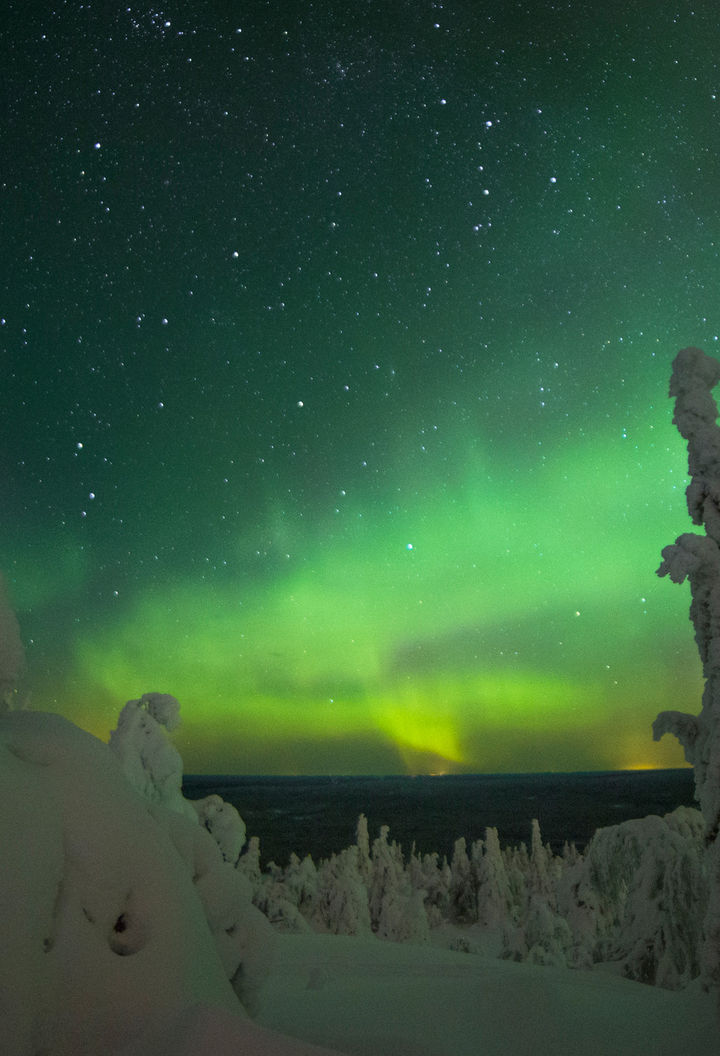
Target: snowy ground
[[126, 932], [366, 997]]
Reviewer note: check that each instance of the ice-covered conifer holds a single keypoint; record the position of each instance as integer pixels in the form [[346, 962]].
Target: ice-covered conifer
[[547, 935], [362, 840], [493, 898], [427, 875], [387, 872], [694, 376], [249, 864], [341, 906], [282, 894], [301, 882], [540, 859], [517, 869], [463, 889], [403, 917], [697, 558]]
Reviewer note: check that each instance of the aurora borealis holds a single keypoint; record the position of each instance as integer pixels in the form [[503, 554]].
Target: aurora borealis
[[336, 341]]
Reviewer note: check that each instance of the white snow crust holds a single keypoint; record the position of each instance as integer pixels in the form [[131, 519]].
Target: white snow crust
[[128, 930], [371, 998]]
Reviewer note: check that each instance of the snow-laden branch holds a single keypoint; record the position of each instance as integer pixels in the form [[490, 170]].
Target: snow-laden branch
[[697, 558], [694, 375]]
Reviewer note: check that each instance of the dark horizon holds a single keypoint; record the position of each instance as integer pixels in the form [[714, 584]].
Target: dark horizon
[[458, 774], [321, 815]]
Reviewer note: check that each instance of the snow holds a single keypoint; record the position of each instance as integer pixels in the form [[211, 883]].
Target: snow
[[126, 931], [112, 910], [372, 998]]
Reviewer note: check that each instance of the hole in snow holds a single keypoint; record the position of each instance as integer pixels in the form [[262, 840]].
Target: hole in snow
[[128, 935]]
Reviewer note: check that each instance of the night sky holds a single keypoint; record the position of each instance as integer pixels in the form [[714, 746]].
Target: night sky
[[335, 348]]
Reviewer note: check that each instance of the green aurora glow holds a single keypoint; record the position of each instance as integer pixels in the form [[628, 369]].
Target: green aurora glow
[[370, 469], [504, 638]]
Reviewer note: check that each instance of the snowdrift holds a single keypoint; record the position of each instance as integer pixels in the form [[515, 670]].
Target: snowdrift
[[123, 929], [126, 930]]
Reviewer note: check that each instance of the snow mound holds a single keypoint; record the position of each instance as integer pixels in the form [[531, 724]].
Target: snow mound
[[122, 927]]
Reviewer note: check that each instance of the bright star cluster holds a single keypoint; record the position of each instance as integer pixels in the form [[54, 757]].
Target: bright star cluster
[[336, 345]]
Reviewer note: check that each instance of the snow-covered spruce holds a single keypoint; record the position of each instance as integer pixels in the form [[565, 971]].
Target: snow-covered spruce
[[697, 558]]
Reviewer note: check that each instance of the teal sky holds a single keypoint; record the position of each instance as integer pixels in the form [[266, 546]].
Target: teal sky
[[336, 343]]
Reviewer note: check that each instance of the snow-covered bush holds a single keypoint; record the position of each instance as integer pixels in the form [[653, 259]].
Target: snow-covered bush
[[638, 898], [288, 897], [427, 874], [341, 905], [542, 936], [224, 824], [149, 759]]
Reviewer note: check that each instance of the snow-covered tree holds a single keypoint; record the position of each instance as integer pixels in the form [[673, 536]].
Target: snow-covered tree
[[493, 887], [362, 839], [249, 864], [432, 878], [387, 872], [638, 898], [541, 858], [149, 759], [463, 886], [697, 558], [224, 824], [403, 917], [288, 896], [397, 907], [301, 883], [341, 905]]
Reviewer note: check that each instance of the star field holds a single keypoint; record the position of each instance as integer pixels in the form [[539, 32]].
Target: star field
[[336, 341]]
